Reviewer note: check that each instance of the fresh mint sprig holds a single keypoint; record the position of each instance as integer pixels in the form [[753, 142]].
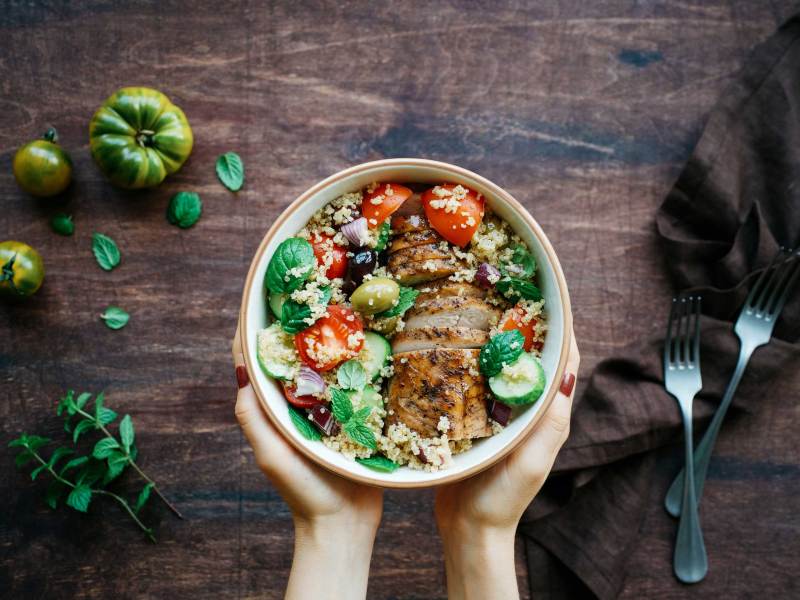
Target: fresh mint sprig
[[353, 422], [83, 477]]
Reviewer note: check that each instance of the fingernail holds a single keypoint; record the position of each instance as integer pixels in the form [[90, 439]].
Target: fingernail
[[567, 383], [241, 376]]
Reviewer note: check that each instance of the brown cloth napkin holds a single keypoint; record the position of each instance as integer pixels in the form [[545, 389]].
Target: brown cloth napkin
[[735, 203]]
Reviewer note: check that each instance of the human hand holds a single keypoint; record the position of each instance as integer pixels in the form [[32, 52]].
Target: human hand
[[478, 517], [335, 519]]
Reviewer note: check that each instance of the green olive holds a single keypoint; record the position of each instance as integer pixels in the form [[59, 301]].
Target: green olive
[[375, 295]]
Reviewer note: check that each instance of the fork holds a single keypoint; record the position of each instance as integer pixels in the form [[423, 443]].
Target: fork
[[682, 379], [754, 328]]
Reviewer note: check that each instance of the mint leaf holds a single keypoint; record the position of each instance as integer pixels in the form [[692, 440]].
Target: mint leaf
[[126, 432], [62, 224], [116, 463], [104, 448], [514, 288], [82, 426], [303, 425], [362, 414], [294, 314], [351, 375], [80, 497], [341, 406], [360, 434], [105, 251], [522, 263], [230, 171], [81, 400], [383, 236], [75, 462], [115, 317], [379, 463], [23, 458], [502, 349], [184, 209], [405, 301], [141, 500], [36, 471], [58, 454], [53, 493], [290, 265], [103, 415]]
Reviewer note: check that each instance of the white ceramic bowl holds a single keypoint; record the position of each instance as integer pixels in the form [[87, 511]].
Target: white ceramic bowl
[[484, 453]]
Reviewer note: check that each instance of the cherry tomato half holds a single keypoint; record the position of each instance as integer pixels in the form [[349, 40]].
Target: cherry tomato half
[[379, 204], [328, 342], [322, 244], [513, 320], [456, 224], [299, 401]]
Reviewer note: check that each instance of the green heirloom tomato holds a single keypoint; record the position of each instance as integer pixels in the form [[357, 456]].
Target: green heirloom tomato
[[138, 137], [21, 270], [42, 168]]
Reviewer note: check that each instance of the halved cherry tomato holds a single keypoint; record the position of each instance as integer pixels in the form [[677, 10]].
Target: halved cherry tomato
[[327, 342], [513, 320], [299, 401], [457, 225], [321, 243], [386, 203]]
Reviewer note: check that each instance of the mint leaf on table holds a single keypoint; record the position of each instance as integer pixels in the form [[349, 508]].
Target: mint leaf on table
[[351, 375], [502, 349], [341, 406], [104, 448], [379, 463], [405, 301], [105, 251], [80, 497], [144, 495], [230, 171], [514, 288], [303, 425], [115, 317], [126, 432], [62, 224], [360, 434], [184, 209], [290, 265]]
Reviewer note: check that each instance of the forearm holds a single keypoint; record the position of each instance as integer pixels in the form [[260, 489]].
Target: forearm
[[330, 561], [480, 563]]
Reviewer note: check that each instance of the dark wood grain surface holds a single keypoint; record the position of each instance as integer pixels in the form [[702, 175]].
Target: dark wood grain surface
[[585, 111]]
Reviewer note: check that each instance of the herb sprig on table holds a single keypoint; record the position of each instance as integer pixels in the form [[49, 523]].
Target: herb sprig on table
[[83, 477]]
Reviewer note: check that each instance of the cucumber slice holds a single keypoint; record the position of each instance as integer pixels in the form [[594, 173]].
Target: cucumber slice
[[374, 354], [521, 382], [369, 396], [276, 352], [276, 304]]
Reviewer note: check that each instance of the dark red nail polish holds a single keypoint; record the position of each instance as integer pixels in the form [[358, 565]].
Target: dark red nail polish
[[567, 383], [241, 376]]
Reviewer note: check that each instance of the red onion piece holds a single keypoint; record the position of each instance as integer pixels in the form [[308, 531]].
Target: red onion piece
[[308, 382], [500, 412], [322, 417], [487, 275], [356, 232]]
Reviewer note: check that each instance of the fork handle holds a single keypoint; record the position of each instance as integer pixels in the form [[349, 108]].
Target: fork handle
[[690, 561], [702, 454]]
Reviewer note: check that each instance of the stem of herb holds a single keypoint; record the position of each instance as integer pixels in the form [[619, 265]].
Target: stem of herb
[[148, 532], [133, 464]]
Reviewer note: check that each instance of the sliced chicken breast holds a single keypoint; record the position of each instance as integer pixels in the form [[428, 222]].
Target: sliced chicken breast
[[420, 253], [442, 382], [453, 311], [423, 338], [444, 288], [405, 223], [412, 273], [414, 238]]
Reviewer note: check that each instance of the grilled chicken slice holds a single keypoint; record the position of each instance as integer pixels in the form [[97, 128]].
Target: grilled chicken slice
[[409, 223], [420, 253], [441, 382], [411, 273], [445, 288], [412, 206], [422, 338], [453, 311], [414, 238]]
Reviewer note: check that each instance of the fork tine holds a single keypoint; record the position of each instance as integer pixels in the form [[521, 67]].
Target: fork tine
[[777, 302], [684, 330], [750, 302], [696, 339], [769, 286], [668, 341]]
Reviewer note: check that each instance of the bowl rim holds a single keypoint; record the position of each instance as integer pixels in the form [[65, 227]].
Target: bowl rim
[[456, 171]]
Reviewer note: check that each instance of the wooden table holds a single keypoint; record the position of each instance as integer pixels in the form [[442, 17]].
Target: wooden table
[[583, 110]]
